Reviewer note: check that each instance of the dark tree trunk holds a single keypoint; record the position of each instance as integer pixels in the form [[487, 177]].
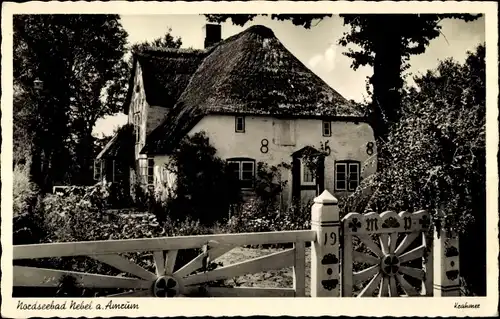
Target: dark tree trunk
[[36, 168], [84, 156], [386, 81]]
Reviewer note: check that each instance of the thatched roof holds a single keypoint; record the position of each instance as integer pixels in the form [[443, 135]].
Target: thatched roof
[[248, 73], [121, 145], [165, 73]]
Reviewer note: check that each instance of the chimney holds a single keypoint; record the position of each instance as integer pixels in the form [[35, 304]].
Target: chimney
[[212, 34]]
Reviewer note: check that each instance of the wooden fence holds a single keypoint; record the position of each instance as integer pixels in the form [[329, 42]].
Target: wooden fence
[[361, 255]]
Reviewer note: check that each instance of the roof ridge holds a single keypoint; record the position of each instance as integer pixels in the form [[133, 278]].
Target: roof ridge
[[167, 52]]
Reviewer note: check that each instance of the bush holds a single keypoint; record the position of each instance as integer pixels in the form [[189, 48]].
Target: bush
[[25, 193], [205, 190], [27, 222], [119, 196], [253, 218], [436, 158]]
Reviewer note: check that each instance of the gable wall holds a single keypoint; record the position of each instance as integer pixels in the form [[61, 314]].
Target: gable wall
[[151, 116], [138, 105]]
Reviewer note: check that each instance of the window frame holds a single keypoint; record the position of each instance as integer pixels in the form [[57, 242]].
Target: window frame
[[242, 130], [137, 127], [303, 167], [329, 133], [113, 171], [98, 162], [150, 171], [240, 161], [347, 180]]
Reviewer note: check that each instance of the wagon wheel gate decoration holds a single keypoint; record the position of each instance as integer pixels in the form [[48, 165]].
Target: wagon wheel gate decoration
[[193, 279], [386, 255]]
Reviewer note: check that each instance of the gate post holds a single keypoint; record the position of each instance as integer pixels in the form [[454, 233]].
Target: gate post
[[325, 263], [446, 264]]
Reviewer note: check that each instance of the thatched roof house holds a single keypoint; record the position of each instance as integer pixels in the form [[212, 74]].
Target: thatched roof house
[[256, 101]]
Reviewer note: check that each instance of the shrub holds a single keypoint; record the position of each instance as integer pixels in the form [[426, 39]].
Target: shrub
[[27, 222], [204, 190], [437, 158], [268, 182], [119, 196], [25, 192], [296, 217]]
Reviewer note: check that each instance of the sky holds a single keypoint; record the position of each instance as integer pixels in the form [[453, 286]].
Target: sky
[[316, 47]]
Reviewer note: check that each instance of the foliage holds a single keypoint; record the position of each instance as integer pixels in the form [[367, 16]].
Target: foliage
[[79, 59], [204, 188], [27, 224], [437, 155], [437, 150], [166, 41], [64, 214], [257, 215], [312, 157], [22, 140], [304, 20], [268, 181], [24, 191]]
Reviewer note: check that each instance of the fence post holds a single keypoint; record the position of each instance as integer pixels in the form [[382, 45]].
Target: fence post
[[446, 264], [325, 263]]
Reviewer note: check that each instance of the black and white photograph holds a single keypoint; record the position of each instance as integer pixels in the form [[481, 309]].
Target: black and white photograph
[[249, 151]]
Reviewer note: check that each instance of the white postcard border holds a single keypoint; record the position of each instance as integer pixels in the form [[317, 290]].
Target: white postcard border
[[260, 306]]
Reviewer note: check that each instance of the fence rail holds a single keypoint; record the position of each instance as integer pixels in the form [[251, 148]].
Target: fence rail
[[159, 243]]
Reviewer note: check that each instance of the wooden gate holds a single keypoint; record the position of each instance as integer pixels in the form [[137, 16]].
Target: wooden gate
[[164, 282], [402, 251], [361, 255]]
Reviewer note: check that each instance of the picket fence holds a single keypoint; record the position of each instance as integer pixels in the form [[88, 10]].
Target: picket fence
[[362, 255]]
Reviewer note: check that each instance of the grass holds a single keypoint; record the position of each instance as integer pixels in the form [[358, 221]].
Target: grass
[[279, 278]]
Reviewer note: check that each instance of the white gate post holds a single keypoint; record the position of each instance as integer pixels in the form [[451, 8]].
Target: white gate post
[[325, 263], [446, 264]]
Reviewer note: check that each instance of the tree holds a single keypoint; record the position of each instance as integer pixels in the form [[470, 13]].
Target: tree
[[166, 41], [386, 41], [79, 59], [438, 157]]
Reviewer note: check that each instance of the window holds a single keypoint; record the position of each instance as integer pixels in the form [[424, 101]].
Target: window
[[97, 170], [327, 128], [306, 175], [243, 170], [137, 127], [346, 175], [151, 170], [239, 124]]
